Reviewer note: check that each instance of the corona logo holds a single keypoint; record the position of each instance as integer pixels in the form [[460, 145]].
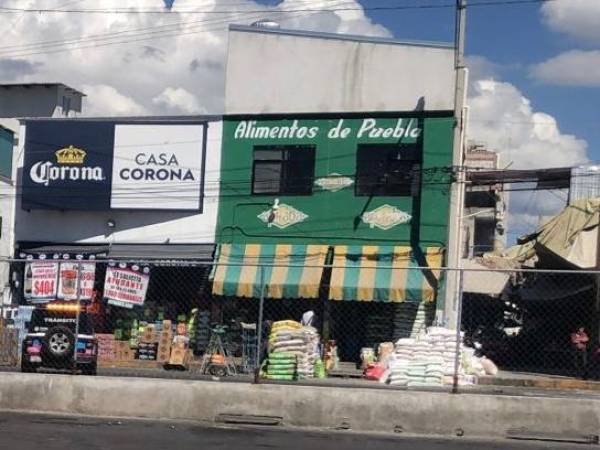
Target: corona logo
[[70, 155], [70, 160]]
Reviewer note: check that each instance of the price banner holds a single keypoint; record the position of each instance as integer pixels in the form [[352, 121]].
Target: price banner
[[70, 272], [41, 279], [126, 287]]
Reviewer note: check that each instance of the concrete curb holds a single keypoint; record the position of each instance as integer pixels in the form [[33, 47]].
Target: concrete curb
[[411, 412]]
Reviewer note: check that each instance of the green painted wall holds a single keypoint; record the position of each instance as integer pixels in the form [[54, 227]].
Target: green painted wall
[[335, 217], [6, 152]]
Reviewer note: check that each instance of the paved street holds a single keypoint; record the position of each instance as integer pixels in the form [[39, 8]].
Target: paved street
[[35, 432]]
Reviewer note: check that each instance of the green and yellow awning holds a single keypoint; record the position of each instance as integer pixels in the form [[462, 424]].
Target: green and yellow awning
[[384, 273], [288, 271]]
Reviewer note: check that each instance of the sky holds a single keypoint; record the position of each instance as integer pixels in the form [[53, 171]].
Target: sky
[[534, 92]]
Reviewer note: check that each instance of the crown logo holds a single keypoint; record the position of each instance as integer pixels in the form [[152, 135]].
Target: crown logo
[[70, 155]]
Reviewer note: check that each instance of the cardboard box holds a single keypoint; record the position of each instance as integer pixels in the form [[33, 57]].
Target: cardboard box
[[121, 345], [163, 355], [178, 357]]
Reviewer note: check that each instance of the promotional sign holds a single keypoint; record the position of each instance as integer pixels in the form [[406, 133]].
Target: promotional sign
[[68, 280], [67, 165], [41, 279], [99, 165], [146, 174], [126, 287]]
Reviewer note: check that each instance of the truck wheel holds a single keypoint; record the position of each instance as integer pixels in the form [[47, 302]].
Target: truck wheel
[[58, 343]]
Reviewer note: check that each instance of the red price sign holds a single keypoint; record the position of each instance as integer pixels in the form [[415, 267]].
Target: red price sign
[[41, 280], [44, 288]]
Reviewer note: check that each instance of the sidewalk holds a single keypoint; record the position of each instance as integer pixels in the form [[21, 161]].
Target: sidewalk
[[326, 407], [532, 380]]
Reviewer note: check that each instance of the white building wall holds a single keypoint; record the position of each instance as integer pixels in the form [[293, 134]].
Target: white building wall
[[277, 71], [132, 227]]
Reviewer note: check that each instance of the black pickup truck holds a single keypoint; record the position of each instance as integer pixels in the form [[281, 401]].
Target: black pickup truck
[[50, 340]]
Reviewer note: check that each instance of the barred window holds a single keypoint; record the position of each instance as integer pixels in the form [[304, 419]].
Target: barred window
[[283, 170]]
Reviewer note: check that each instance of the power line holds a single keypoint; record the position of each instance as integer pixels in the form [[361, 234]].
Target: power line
[[150, 33], [229, 11], [175, 25]]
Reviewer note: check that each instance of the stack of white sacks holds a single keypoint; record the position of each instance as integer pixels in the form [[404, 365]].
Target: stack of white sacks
[[302, 341], [306, 361], [427, 360]]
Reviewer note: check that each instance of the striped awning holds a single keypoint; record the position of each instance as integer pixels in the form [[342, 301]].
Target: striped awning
[[289, 271], [385, 273]]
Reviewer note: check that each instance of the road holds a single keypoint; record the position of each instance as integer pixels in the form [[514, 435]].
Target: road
[[35, 432]]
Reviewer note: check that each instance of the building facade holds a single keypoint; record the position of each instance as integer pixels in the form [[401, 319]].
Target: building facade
[[485, 207]]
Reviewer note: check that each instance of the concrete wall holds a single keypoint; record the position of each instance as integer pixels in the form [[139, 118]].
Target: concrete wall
[[133, 227], [275, 71], [383, 410]]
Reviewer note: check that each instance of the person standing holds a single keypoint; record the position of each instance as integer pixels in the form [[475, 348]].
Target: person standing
[[580, 341]]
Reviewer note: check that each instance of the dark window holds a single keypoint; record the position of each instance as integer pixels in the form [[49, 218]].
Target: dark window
[[480, 199], [483, 235], [388, 170], [285, 170]]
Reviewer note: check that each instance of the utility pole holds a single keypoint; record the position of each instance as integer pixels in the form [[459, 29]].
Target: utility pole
[[457, 189]]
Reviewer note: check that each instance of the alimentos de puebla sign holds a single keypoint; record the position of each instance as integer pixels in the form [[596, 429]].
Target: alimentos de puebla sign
[[368, 129]]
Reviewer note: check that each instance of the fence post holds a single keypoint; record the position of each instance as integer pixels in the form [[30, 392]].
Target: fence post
[[458, 325], [259, 327], [78, 291]]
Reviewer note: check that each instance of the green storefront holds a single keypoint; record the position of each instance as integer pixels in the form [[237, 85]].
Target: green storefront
[[366, 195]]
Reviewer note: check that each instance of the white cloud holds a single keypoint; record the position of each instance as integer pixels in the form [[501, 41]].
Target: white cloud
[[179, 101], [481, 68], [572, 68], [103, 100], [577, 18], [502, 117], [164, 63]]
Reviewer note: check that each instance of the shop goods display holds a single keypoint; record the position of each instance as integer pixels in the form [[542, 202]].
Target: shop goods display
[[378, 328], [477, 366], [143, 342], [292, 338], [202, 331], [281, 366], [249, 347], [216, 360], [331, 359], [106, 347], [427, 360], [411, 319]]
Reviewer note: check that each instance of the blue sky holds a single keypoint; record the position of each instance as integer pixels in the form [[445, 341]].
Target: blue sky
[[513, 37]]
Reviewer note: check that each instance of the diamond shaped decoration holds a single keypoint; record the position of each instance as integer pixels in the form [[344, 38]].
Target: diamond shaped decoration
[[334, 182], [283, 216], [385, 217]]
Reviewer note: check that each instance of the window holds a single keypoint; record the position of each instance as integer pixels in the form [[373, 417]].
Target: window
[[284, 170], [483, 235], [480, 199], [388, 170]]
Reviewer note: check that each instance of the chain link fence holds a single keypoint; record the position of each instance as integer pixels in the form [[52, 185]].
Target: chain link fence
[[161, 319]]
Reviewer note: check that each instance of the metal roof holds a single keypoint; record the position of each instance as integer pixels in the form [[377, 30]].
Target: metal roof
[[46, 85], [339, 36]]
